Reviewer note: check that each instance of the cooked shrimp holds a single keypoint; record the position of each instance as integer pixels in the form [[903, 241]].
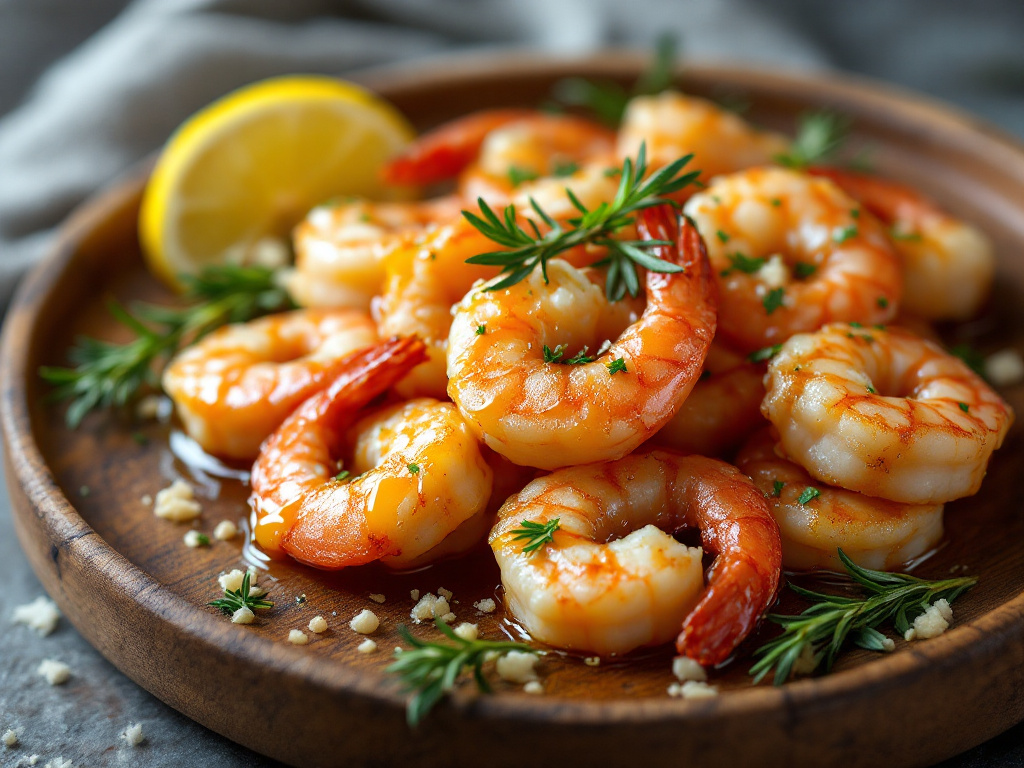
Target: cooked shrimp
[[426, 276], [948, 265], [340, 248], [723, 409], [235, 386], [673, 125], [612, 578], [884, 413], [793, 252], [875, 533], [416, 472], [496, 146], [547, 414]]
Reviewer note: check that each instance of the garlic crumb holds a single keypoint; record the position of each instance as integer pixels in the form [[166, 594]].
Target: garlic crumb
[[592, 661], [318, 625], [55, 672], [133, 735], [485, 606], [297, 637], [225, 531], [243, 616], [377, 598], [534, 686], [517, 666], [364, 622], [177, 502], [41, 615], [685, 668], [467, 631], [368, 646]]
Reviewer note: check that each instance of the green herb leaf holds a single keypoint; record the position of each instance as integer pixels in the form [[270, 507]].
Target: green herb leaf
[[107, 375], [234, 599], [840, 236], [529, 250], [765, 353], [517, 176], [746, 264], [964, 407], [481, 330], [803, 269], [882, 302], [823, 629], [773, 299], [537, 534], [553, 356], [808, 495], [819, 136], [414, 468], [777, 486], [430, 670], [343, 475], [618, 365]]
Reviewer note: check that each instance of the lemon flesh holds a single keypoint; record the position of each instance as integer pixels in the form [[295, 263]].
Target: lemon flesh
[[249, 166]]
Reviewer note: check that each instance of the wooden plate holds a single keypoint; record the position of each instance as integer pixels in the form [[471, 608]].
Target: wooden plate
[[127, 582]]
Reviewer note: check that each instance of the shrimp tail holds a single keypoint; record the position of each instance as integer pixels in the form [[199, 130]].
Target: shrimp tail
[[441, 154], [686, 249], [744, 580], [363, 376]]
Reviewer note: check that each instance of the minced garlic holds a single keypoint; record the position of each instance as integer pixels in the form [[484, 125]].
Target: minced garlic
[[365, 622], [177, 502]]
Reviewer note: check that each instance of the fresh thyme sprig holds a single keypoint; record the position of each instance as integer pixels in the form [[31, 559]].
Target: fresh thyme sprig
[[430, 670], [108, 375], [606, 99], [823, 629], [236, 599], [819, 136], [528, 250], [536, 534]]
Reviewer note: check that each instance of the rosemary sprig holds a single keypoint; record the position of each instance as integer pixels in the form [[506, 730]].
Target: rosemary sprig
[[536, 534], [823, 629], [819, 136], [430, 670], [528, 250], [235, 599], [108, 375], [606, 99]]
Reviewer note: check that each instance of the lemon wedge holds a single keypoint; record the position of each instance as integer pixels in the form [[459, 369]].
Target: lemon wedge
[[241, 172]]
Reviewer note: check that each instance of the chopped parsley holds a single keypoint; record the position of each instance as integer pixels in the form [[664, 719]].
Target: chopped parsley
[[840, 236], [773, 299], [882, 302], [722, 236], [564, 169], [343, 475], [617, 365], [414, 469], [481, 330], [804, 270], [808, 495], [765, 353], [517, 176], [964, 407], [746, 264], [777, 487]]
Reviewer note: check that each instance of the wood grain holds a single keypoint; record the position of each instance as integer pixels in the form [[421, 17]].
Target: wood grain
[[127, 582]]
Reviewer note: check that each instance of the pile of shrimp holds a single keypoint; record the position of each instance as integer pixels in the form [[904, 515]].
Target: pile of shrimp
[[765, 394]]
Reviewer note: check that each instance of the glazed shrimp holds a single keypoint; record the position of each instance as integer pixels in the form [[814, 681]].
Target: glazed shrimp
[[884, 413], [340, 248], [948, 265], [426, 276], [723, 409], [612, 578], [673, 125], [500, 145], [416, 473], [234, 387], [875, 533], [792, 252], [546, 414]]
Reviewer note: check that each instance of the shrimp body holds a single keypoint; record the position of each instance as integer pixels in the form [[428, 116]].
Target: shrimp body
[[234, 387], [791, 253], [425, 277], [340, 248], [884, 413], [672, 125], [948, 265], [612, 579], [416, 475], [547, 414], [723, 409], [873, 532]]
